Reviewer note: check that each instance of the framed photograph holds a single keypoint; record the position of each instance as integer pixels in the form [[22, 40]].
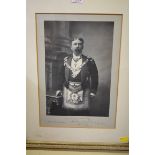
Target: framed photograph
[[88, 86], [78, 61]]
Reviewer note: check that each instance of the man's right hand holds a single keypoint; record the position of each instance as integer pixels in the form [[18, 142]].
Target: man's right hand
[[58, 93]]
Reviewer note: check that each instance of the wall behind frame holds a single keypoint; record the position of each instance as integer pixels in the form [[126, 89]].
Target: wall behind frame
[[65, 6]]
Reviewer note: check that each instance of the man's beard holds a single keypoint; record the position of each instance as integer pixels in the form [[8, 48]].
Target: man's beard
[[77, 52]]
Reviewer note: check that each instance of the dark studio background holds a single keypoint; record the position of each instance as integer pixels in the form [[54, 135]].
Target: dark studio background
[[98, 41]]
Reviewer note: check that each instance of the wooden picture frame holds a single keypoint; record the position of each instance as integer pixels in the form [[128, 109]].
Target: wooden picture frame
[[45, 135]]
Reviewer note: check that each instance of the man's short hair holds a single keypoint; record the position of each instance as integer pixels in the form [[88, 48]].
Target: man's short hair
[[78, 38]]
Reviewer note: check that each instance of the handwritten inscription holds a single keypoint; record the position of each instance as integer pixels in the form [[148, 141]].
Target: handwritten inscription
[[77, 121]]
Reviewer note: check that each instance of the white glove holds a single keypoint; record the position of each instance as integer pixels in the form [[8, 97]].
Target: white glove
[[58, 93], [92, 95]]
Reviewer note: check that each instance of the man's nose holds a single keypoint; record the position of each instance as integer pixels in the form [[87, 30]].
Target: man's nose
[[77, 45]]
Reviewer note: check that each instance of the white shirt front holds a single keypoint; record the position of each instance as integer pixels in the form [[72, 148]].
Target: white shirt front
[[75, 64]]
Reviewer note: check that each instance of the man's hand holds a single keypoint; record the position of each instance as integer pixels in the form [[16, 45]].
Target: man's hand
[[92, 95], [58, 93]]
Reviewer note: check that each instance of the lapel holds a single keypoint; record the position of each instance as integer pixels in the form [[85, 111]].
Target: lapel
[[84, 70], [67, 69]]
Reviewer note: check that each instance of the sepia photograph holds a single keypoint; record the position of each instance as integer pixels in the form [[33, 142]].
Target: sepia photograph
[[78, 67]]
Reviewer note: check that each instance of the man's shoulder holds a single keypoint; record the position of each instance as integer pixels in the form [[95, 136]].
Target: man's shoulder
[[89, 59], [67, 57]]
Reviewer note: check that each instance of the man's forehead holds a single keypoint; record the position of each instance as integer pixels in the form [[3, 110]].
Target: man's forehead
[[76, 41]]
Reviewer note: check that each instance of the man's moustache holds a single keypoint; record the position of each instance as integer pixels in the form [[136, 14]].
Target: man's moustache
[[77, 50]]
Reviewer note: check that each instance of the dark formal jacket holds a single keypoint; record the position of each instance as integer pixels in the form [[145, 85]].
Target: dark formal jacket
[[88, 75]]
